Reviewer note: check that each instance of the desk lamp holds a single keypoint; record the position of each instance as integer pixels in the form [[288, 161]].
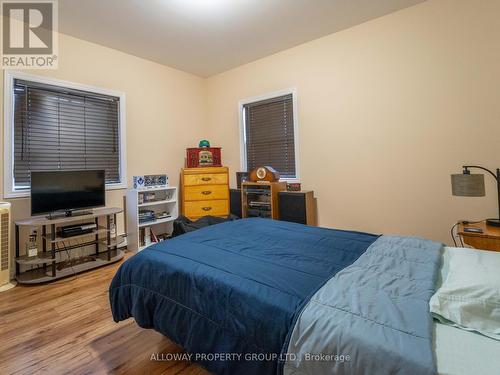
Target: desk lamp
[[472, 185]]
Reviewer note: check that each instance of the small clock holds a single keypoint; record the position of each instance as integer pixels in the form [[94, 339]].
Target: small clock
[[264, 174]]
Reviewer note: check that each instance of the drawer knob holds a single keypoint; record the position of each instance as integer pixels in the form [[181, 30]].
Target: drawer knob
[[206, 178], [206, 192], [207, 208]]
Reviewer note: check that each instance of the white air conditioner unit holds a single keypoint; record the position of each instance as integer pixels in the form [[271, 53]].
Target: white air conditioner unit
[[5, 261]]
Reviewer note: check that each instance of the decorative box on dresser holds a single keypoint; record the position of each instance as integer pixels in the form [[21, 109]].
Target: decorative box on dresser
[[205, 191]]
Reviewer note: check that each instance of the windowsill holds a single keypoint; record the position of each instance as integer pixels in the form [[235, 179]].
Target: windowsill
[[290, 180], [26, 193]]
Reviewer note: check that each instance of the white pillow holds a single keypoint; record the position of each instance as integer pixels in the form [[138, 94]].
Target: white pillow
[[469, 297]]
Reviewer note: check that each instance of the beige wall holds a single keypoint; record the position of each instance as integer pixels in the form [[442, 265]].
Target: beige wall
[[165, 109], [387, 110]]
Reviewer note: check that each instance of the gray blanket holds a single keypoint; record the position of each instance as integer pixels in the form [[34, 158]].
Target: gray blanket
[[373, 317]]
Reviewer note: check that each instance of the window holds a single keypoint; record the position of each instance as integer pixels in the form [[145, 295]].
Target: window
[[56, 127], [269, 136]]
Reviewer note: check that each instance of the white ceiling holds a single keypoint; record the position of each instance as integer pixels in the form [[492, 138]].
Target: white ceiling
[[206, 37]]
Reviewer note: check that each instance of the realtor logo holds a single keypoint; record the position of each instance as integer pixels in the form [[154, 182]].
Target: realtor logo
[[29, 34]]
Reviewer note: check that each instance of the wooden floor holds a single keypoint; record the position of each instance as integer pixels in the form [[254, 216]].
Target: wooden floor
[[66, 328]]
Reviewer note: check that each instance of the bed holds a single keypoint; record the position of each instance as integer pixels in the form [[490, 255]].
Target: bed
[[239, 296]]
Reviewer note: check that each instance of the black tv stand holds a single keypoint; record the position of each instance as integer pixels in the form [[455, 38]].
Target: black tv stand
[[56, 259]]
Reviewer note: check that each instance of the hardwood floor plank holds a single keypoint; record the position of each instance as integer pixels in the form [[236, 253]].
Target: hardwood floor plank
[[67, 328]]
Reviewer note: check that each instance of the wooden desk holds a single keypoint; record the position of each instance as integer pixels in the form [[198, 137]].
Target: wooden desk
[[488, 240]]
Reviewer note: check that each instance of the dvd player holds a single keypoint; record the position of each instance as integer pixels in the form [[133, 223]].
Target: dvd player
[[76, 230]]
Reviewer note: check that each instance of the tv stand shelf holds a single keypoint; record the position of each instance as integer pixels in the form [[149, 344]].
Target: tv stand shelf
[[99, 230], [41, 275], [43, 220], [102, 240]]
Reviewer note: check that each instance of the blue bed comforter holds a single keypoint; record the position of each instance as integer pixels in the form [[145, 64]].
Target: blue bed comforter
[[235, 287], [373, 317]]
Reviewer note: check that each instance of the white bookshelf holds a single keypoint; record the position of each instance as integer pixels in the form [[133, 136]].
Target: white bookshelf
[[165, 200]]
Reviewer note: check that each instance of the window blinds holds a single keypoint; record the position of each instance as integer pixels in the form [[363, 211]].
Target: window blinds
[[63, 129], [269, 135]]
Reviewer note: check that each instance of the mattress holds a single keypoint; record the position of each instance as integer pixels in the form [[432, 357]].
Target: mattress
[[460, 352]]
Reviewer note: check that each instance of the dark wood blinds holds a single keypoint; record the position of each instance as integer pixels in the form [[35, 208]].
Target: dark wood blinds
[[59, 129], [269, 135]]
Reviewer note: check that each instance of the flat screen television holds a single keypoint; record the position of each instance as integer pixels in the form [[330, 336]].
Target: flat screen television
[[67, 191]]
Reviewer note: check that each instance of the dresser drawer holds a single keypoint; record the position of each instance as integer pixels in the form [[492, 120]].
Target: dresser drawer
[[206, 192], [204, 208], [205, 179]]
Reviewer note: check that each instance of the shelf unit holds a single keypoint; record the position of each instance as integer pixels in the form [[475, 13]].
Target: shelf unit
[[156, 203], [158, 221], [165, 200], [260, 199], [40, 275], [47, 267]]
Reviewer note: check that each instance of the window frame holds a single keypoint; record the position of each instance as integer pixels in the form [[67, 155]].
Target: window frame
[[242, 128], [9, 76]]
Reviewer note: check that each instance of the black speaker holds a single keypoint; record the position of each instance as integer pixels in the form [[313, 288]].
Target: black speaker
[[297, 206], [235, 202]]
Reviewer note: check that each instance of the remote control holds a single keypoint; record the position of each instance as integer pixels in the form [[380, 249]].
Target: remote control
[[473, 230]]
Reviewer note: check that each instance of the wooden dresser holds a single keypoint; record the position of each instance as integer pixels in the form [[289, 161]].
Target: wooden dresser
[[205, 191]]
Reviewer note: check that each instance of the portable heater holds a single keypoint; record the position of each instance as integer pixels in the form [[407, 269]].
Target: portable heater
[[5, 261]]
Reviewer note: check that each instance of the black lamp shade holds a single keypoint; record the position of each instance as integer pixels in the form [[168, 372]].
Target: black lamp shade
[[467, 185]]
